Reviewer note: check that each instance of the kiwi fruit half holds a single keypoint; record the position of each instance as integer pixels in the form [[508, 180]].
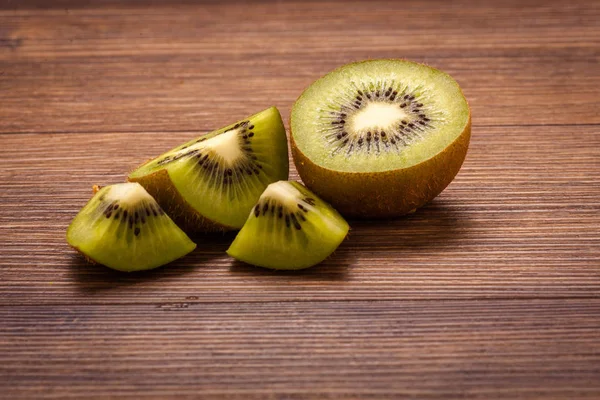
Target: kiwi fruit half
[[212, 182], [380, 138], [289, 228], [124, 228]]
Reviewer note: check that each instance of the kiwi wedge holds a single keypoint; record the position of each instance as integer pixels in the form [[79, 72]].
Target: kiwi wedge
[[380, 138], [211, 183], [289, 228], [124, 228]]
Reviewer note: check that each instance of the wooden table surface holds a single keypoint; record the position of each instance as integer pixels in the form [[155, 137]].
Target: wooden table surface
[[491, 291]]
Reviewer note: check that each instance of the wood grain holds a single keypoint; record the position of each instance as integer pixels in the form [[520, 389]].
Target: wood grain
[[491, 291]]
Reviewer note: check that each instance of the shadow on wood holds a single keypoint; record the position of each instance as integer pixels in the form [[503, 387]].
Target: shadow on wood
[[94, 278], [434, 228]]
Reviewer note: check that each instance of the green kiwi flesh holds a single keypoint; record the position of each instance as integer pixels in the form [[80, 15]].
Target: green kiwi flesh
[[395, 128], [212, 182], [289, 228], [124, 228]]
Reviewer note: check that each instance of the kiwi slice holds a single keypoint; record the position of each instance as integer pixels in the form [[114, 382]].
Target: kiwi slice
[[380, 138], [124, 228], [289, 228], [212, 182]]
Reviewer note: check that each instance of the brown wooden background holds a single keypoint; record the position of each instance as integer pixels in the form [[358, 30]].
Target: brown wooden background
[[491, 291]]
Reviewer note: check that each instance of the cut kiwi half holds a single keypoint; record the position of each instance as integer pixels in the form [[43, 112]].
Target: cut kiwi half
[[289, 228], [380, 138], [124, 228], [212, 182]]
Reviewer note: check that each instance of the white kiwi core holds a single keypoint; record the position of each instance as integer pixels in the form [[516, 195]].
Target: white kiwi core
[[377, 115]]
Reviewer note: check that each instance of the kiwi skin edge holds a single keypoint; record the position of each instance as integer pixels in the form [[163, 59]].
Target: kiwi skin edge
[[159, 185], [387, 193]]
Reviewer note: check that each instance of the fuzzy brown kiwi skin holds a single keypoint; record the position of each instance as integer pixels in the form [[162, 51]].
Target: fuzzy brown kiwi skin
[[160, 186], [388, 193]]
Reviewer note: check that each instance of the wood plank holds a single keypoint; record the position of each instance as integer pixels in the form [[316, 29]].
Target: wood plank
[[158, 94], [546, 349], [520, 220], [131, 69]]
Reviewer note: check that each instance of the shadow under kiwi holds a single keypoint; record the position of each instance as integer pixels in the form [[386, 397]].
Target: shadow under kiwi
[[433, 227], [97, 278], [334, 268]]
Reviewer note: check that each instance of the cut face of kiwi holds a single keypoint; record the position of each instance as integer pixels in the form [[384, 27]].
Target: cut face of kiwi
[[381, 137], [289, 228], [212, 182], [124, 228]]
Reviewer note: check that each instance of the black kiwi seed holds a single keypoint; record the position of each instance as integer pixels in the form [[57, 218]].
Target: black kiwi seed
[[136, 231], [280, 212], [406, 128], [265, 208], [287, 220], [108, 214], [300, 206], [257, 210], [310, 201], [295, 222], [251, 134]]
